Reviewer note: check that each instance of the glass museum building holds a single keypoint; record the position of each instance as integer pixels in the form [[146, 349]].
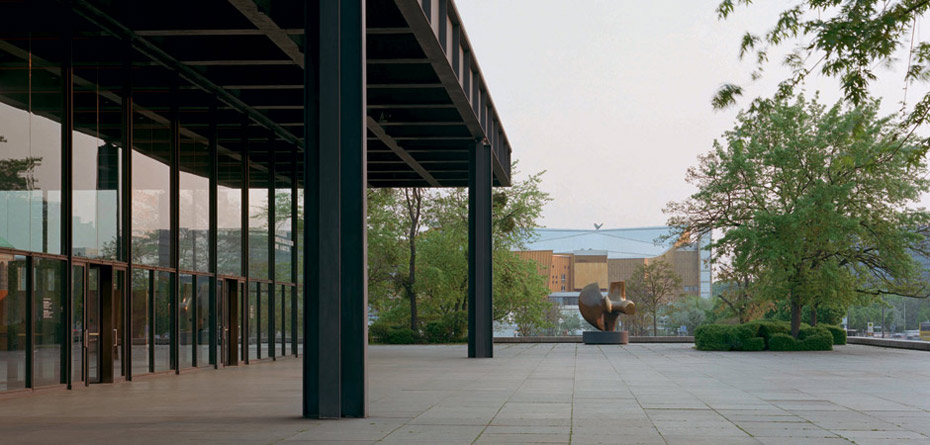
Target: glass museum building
[[183, 184]]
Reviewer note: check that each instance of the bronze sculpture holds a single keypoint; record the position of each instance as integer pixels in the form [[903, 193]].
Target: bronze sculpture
[[602, 311]]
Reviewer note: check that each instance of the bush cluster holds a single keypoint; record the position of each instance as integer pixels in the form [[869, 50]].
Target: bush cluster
[[451, 328], [766, 335]]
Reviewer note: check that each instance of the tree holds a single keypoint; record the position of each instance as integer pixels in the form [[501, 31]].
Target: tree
[[847, 40], [734, 289], [413, 206], [651, 286], [690, 312], [812, 204]]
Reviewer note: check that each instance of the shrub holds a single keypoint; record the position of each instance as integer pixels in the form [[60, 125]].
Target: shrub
[[809, 339], [378, 331], [838, 333], [712, 337], [782, 342], [816, 339], [401, 336]]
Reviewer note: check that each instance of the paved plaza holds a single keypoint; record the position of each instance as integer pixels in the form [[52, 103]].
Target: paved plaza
[[529, 393]]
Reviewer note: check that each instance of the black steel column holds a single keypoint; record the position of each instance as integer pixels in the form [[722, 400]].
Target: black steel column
[[480, 324], [329, 189], [67, 184], [126, 205], [244, 298], [353, 236], [272, 182], [311, 271], [174, 198], [335, 382], [213, 235], [295, 258]]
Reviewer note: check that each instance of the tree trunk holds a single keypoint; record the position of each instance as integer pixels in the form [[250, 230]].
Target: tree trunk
[[655, 331], [813, 315], [411, 279], [795, 318]]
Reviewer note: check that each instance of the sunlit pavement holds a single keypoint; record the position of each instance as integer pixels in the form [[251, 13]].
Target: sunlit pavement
[[529, 393]]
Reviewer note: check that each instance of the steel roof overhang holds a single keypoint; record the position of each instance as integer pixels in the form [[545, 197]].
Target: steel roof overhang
[[427, 100]]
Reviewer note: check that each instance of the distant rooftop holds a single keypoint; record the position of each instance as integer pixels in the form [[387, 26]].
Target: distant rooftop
[[637, 242]]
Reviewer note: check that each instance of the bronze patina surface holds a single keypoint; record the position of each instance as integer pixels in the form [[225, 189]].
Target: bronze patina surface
[[602, 311]]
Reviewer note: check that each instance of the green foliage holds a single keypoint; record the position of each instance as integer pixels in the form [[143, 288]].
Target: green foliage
[[847, 40], [809, 339], [652, 286], [816, 205], [429, 292], [762, 335], [838, 333], [380, 332], [690, 311]]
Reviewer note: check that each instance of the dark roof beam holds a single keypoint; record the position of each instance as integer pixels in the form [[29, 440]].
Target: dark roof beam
[[378, 131], [270, 29]]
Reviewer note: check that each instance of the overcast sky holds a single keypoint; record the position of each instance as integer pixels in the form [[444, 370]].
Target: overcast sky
[[612, 97]]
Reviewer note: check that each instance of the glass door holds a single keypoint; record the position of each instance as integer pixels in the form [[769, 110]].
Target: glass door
[[78, 289], [92, 327]]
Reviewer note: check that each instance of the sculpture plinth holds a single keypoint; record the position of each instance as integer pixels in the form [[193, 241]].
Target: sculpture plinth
[[603, 311]]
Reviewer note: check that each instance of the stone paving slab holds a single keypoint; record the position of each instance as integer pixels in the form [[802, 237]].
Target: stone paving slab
[[529, 393]]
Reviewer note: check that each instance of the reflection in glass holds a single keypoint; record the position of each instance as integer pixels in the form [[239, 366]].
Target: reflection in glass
[[141, 326], [203, 326], [283, 235], [47, 333], [229, 215], [30, 151], [77, 324], [253, 320], [151, 204], [12, 322], [96, 168], [284, 325], [163, 322], [266, 314], [194, 205], [300, 319], [186, 318], [222, 323], [258, 222]]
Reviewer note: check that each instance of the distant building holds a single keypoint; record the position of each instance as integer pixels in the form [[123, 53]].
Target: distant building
[[571, 259]]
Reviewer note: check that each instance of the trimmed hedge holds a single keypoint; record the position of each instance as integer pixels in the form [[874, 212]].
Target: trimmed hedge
[[764, 335], [839, 334]]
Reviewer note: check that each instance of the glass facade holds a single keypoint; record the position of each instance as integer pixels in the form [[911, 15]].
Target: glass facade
[[186, 319], [146, 293], [141, 321], [194, 203], [47, 321], [12, 322]]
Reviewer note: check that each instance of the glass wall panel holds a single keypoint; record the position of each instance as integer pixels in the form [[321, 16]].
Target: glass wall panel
[[194, 205], [12, 322], [203, 326], [163, 322], [141, 321], [77, 324], [300, 319], [151, 204], [30, 147], [283, 235], [224, 331], [284, 326], [97, 162], [229, 215], [47, 321], [240, 309], [253, 320], [186, 318], [266, 326], [258, 222]]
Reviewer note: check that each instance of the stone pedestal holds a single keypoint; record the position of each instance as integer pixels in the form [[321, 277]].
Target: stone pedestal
[[606, 338]]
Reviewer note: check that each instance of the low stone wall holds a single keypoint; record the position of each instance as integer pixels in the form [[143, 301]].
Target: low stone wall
[[577, 339], [889, 343]]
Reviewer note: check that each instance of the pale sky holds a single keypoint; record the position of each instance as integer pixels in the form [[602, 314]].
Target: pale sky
[[612, 97]]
